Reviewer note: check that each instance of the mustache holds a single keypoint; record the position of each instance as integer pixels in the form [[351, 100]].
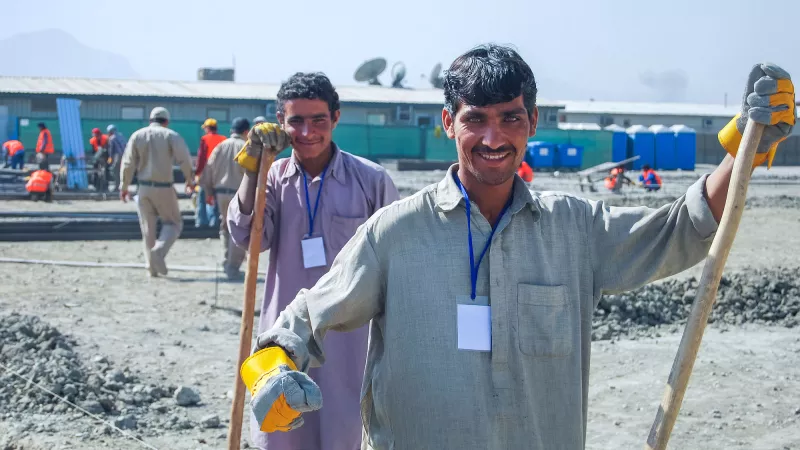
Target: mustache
[[487, 149]]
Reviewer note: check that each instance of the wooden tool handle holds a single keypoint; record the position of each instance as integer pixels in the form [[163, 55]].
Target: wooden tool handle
[[248, 306], [707, 291]]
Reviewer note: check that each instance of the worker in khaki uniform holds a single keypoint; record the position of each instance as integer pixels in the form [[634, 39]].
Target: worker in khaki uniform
[[150, 154], [220, 179]]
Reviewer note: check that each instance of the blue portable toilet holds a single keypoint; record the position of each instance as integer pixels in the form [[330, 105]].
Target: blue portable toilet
[[642, 143], [568, 156], [685, 146], [666, 159], [542, 154], [619, 142]]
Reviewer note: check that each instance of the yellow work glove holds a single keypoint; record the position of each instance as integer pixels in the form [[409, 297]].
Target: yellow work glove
[[769, 100], [264, 135], [280, 393]]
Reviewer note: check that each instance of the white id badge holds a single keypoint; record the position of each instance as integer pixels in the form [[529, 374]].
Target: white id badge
[[313, 252], [474, 327]]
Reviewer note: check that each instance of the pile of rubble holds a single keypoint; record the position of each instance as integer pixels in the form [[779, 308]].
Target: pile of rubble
[[755, 296], [38, 353]]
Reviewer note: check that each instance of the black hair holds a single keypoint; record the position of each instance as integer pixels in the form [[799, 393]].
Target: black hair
[[159, 120], [487, 75], [311, 86], [41, 125], [240, 125], [646, 167], [212, 128]]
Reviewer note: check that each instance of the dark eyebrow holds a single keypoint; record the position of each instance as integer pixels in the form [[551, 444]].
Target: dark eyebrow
[[515, 112], [315, 116], [474, 114]]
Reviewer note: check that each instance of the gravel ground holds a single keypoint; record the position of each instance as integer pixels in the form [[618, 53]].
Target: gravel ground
[[119, 342]]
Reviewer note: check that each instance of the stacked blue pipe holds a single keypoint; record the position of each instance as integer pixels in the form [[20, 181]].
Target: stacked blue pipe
[[619, 142], [641, 143], [666, 158], [685, 146]]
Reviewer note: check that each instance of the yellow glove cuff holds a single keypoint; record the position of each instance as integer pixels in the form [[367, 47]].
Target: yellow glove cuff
[[256, 371], [730, 138], [249, 163]]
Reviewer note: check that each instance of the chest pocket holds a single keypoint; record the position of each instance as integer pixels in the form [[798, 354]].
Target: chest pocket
[[544, 320], [343, 229]]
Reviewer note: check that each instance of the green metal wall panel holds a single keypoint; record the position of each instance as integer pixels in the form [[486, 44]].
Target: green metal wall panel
[[439, 148]]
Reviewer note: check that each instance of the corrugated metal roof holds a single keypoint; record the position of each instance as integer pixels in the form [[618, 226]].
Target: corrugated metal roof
[[209, 90], [650, 109]]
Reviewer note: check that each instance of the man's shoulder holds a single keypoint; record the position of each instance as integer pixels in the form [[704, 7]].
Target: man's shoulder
[[558, 202], [405, 212], [362, 165]]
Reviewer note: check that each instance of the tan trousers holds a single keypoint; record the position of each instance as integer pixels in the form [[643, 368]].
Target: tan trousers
[[158, 203], [233, 255]]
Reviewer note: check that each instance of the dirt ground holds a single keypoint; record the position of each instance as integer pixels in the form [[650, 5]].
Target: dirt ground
[[183, 330]]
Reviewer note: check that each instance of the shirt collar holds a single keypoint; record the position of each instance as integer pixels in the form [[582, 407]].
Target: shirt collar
[[448, 195], [335, 166]]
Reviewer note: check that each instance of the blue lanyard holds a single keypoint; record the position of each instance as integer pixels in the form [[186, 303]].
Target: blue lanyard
[[311, 217], [473, 268]]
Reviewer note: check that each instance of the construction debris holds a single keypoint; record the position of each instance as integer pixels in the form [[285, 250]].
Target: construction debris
[[32, 351], [763, 296]]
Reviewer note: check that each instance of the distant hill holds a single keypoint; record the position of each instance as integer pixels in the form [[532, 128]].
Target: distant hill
[[56, 53]]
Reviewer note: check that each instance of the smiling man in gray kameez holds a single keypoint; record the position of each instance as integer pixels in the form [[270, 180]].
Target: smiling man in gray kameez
[[480, 293]]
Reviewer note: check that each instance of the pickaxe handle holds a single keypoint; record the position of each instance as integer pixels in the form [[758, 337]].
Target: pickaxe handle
[[707, 291], [248, 306]]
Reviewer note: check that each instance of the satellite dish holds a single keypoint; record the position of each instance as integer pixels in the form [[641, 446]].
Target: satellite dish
[[436, 79], [370, 70], [398, 73]]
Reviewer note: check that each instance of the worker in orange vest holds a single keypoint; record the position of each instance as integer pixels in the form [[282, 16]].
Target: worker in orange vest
[[45, 144], [40, 183], [616, 179], [525, 172], [14, 151], [206, 215], [650, 179], [98, 140]]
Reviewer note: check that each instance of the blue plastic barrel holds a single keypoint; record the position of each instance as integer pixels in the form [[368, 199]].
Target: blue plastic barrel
[[685, 146], [542, 154], [569, 156], [619, 142], [666, 157], [642, 143]]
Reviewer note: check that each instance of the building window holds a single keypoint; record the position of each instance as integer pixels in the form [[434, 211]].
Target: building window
[[271, 111], [132, 113], [221, 114], [376, 119], [424, 121], [562, 118], [404, 113], [552, 118], [43, 105], [626, 123], [606, 121], [707, 123]]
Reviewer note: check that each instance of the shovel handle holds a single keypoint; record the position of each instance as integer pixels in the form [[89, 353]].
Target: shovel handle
[[707, 291], [248, 306]]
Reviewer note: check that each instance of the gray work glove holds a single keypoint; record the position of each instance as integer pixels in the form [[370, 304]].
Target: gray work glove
[[768, 99], [264, 135]]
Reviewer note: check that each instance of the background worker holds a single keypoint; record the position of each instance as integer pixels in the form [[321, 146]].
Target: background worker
[[150, 154], [469, 356], [316, 199], [44, 144], [258, 120], [616, 179], [98, 141], [205, 214], [525, 172], [220, 179], [14, 152], [116, 148], [650, 179], [40, 183]]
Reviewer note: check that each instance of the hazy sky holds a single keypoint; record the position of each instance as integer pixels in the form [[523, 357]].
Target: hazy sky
[[680, 50]]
